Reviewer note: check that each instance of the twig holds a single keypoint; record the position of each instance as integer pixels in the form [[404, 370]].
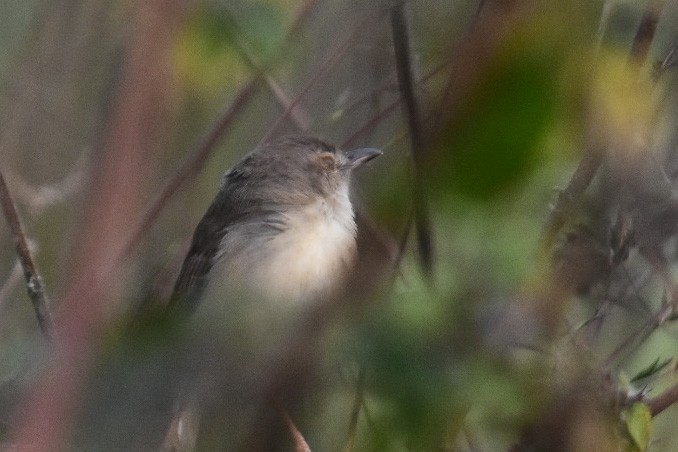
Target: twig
[[642, 333], [182, 433], [581, 179], [302, 15], [406, 81], [602, 24], [297, 115], [589, 165], [333, 60], [639, 51], [48, 412], [667, 63], [37, 198], [646, 31], [34, 282], [392, 88], [663, 400], [300, 444], [195, 162], [376, 119], [209, 141], [370, 125]]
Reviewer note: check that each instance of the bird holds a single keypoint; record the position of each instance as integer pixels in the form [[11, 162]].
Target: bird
[[281, 227], [279, 238]]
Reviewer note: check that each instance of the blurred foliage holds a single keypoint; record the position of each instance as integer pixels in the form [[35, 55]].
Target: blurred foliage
[[209, 54], [639, 423], [507, 347], [497, 143]]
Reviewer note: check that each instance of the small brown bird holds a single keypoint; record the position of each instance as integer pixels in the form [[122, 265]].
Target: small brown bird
[[280, 233], [282, 226]]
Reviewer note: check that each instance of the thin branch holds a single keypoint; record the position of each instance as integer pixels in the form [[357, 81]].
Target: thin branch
[[47, 414], [300, 444], [581, 179], [391, 88], [639, 52], [665, 64], [302, 16], [335, 57], [663, 400], [422, 220], [646, 31], [376, 119], [40, 197], [182, 433], [602, 24], [592, 160], [646, 329], [297, 115], [370, 125], [195, 162], [34, 282], [209, 141]]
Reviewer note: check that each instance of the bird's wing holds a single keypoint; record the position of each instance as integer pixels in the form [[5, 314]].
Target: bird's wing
[[194, 273]]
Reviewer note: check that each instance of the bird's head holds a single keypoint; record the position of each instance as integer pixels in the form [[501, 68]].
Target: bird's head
[[297, 169]]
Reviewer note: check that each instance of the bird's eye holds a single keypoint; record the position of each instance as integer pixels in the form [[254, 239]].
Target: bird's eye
[[326, 161]]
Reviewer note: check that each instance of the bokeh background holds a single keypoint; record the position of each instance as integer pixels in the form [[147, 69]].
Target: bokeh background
[[518, 236]]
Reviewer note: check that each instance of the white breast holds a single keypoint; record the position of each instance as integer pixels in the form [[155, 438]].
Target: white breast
[[309, 259]]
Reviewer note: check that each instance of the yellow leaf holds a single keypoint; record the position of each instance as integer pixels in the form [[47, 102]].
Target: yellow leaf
[[638, 421]]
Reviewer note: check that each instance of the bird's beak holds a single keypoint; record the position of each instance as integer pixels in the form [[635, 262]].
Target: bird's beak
[[359, 156]]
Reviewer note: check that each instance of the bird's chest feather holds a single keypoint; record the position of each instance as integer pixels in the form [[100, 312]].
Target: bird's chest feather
[[313, 253], [308, 258]]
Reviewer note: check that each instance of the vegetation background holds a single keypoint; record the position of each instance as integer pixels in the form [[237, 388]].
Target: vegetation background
[[518, 236]]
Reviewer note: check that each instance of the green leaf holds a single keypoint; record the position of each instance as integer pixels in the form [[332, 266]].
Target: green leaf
[[638, 421], [496, 139], [204, 57], [650, 370], [215, 45]]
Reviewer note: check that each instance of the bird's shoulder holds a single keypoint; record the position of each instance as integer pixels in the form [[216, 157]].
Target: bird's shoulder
[[222, 213]]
